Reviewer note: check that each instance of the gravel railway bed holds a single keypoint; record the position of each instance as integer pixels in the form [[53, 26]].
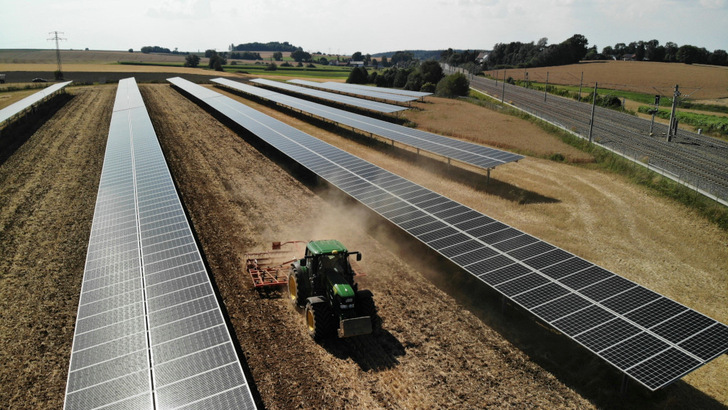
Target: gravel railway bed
[[698, 160]]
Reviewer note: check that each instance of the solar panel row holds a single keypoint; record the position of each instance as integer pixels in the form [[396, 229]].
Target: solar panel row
[[149, 330], [647, 336], [385, 90], [469, 153], [342, 88], [17, 107], [338, 98]]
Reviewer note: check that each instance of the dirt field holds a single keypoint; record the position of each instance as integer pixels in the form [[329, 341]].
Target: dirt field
[[434, 353], [701, 82]]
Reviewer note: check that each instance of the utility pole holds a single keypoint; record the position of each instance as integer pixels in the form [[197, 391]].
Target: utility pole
[[594, 105], [546, 88], [654, 111], [672, 128], [580, 83], [503, 95], [59, 72]]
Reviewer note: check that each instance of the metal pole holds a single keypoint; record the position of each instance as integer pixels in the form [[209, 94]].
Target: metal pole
[[496, 78], [657, 107], [580, 83], [672, 114], [503, 95], [594, 105], [546, 89]]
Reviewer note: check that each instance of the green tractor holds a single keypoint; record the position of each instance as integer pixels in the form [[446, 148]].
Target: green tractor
[[322, 283]]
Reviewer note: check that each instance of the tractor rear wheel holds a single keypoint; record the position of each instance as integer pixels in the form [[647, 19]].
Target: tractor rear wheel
[[365, 307], [320, 319], [297, 288]]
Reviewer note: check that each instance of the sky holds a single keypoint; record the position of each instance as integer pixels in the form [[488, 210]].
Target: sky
[[346, 26]]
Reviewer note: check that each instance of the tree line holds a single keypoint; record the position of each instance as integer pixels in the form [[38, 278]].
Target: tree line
[[539, 54], [574, 49], [270, 46], [653, 51]]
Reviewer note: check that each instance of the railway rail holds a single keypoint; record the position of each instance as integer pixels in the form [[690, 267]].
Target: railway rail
[[697, 161]]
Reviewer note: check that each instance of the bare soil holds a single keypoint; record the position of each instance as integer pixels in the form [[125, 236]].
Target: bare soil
[[434, 352]]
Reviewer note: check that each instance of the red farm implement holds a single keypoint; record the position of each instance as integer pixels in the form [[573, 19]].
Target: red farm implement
[[269, 269]]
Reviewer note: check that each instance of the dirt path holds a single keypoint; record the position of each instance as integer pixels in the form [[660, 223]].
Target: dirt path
[[47, 195]]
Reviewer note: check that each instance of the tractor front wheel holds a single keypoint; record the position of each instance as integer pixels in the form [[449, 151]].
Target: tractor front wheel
[[320, 319], [297, 289]]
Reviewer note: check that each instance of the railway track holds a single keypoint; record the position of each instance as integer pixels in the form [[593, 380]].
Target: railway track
[[692, 159]]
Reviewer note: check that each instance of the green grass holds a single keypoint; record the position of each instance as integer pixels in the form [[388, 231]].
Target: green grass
[[713, 124], [608, 161], [178, 64], [318, 72]]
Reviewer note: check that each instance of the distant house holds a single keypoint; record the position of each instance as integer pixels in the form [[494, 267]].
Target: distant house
[[482, 57], [629, 57], [356, 63]]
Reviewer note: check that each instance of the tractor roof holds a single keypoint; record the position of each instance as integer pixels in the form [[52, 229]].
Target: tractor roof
[[326, 246]]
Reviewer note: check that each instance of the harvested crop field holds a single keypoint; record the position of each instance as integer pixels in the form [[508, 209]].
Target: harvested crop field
[[701, 82], [434, 352]]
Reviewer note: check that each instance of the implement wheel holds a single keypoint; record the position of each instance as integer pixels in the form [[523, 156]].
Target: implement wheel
[[297, 288], [320, 319]]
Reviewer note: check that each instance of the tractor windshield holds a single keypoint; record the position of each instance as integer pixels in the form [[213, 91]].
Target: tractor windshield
[[334, 262]]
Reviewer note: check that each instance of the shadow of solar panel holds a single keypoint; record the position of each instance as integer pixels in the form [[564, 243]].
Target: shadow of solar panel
[[602, 311]]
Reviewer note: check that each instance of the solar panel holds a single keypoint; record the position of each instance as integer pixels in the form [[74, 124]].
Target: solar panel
[[386, 90], [368, 92], [654, 353], [149, 330], [469, 153], [338, 98], [18, 106]]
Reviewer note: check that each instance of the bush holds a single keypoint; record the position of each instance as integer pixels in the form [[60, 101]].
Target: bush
[[286, 64], [271, 67], [358, 75], [428, 88], [454, 85]]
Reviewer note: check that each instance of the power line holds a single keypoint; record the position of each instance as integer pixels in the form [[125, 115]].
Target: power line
[[58, 50]]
